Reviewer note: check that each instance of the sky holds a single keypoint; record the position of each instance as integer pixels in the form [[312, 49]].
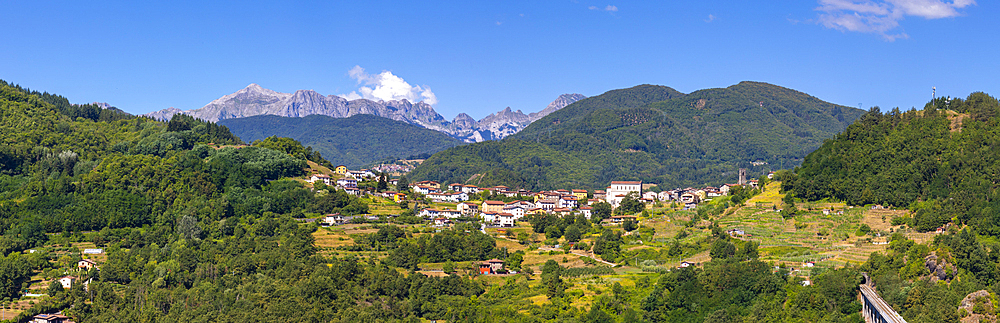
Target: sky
[[479, 57]]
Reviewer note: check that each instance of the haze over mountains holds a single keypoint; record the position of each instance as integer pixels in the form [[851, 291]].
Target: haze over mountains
[[255, 100]]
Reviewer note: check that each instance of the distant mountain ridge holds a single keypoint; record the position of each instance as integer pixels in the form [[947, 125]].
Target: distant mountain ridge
[[651, 133], [355, 141], [255, 100]]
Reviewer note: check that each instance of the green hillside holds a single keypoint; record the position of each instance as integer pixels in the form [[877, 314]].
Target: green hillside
[[654, 134], [943, 164], [355, 141]]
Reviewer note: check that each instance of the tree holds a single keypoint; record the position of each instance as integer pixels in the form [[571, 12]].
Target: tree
[[722, 249], [553, 232], [630, 204], [629, 225], [602, 210], [552, 280], [55, 287], [383, 184], [403, 185], [449, 267], [572, 233]]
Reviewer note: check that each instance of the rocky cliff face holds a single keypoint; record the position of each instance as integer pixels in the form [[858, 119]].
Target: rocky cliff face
[[255, 100], [561, 102]]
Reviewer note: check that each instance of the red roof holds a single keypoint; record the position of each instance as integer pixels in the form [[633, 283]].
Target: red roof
[[495, 203], [626, 182]]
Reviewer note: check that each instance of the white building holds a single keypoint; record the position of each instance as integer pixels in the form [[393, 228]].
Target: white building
[[619, 189], [320, 178]]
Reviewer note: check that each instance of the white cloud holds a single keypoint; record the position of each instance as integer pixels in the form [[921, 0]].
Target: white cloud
[[710, 18], [386, 86], [882, 17], [608, 8]]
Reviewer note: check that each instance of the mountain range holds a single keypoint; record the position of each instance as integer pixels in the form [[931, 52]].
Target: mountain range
[[355, 141], [255, 100], [650, 133]]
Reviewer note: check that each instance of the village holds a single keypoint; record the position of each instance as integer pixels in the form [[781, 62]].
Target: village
[[472, 201]]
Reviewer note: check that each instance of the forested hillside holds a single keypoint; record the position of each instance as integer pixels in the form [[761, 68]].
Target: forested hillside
[[941, 162], [355, 141], [191, 232], [654, 134]]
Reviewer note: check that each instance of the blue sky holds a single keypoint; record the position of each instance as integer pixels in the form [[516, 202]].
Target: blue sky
[[481, 56]]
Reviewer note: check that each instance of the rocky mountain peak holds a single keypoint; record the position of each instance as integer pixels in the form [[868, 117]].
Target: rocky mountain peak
[[256, 100]]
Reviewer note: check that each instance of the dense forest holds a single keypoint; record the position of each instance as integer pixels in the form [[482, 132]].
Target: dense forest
[[654, 134], [940, 162], [356, 141], [192, 232]]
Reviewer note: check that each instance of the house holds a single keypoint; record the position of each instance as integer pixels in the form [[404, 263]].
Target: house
[[67, 281], [727, 187], [455, 187], [505, 220], [352, 191], [567, 201], [536, 211], [770, 175], [664, 196], [491, 266], [619, 189], [546, 195], [489, 217], [324, 178], [809, 264], [437, 196], [651, 196], [442, 221], [562, 211], [600, 195], [587, 211], [334, 219], [547, 204], [395, 196], [701, 195], [340, 170], [457, 197], [470, 189], [347, 182], [685, 264], [86, 264], [424, 189], [435, 213], [622, 218], [429, 213], [433, 184], [50, 318], [493, 206], [713, 193], [467, 208], [581, 195], [93, 251], [518, 208], [690, 198]]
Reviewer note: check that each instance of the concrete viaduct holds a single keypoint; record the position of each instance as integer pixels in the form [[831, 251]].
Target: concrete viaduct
[[873, 308]]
